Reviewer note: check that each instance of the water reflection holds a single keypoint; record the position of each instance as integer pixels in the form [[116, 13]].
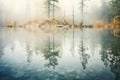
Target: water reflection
[[1, 43], [110, 55], [1, 50], [73, 43], [29, 54], [72, 54], [50, 52], [82, 52]]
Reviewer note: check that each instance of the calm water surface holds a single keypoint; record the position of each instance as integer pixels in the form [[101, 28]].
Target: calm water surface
[[77, 54]]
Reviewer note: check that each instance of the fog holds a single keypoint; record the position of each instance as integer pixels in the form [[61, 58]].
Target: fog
[[21, 10]]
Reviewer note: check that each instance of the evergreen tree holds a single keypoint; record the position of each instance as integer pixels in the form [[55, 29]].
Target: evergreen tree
[[82, 8], [115, 6]]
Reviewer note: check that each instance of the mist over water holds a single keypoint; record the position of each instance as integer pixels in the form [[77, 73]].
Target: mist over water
[[36, 45], [63, 56]]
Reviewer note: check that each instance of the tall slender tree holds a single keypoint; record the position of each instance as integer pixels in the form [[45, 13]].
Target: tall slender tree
[[48, 6], [53, 7], [1, 19], [82, 8], [47, 3], [73, 16]]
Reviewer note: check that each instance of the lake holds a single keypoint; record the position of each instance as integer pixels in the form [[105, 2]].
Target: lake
[[79, 54]]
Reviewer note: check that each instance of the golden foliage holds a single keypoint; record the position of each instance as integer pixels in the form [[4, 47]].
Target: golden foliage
[[116, 32], [99, 25], [116, 22]]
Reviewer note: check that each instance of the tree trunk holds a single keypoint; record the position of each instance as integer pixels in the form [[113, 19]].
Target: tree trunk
[[1, 18], [73, 16], [82, 9], [48, 9], [53, 9]]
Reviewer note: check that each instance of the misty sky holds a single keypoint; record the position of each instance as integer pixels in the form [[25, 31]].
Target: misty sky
[[19, 10]]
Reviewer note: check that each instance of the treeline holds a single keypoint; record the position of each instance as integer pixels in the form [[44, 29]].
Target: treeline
[[111, 8]]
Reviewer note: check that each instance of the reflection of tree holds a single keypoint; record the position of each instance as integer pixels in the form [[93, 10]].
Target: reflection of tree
[[52, 58], [37, 50], [50, 53], [110, 55], [64, 32], [29, 54], [1, 50], [83, 55], [1, 43], [72, 48]]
